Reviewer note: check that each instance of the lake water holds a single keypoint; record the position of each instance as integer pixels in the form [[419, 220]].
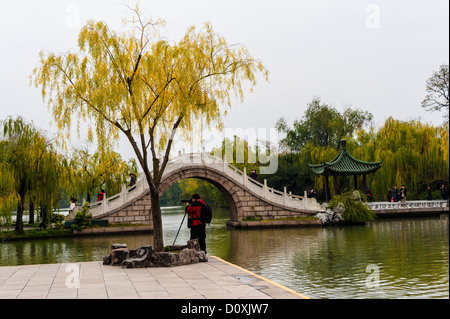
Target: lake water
[[402, 258]]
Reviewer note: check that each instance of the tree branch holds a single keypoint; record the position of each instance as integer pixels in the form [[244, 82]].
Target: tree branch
[[169, 145]]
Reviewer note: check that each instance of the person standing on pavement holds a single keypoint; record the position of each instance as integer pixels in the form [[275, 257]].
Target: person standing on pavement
[[197, 226]]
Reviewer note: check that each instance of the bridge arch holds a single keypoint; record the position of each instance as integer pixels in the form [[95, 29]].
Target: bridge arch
[[218, 180], [245, 197]]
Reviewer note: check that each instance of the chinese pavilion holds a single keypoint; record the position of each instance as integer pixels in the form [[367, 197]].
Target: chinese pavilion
[[343, 165]]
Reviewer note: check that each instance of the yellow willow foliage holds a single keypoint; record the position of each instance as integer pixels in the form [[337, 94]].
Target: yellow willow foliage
[[147, 88], [34, 169], [142, 85], [8, 195], [413, 154], [92, 172]]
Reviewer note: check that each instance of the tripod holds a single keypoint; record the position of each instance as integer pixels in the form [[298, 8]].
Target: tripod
[[179, 229]]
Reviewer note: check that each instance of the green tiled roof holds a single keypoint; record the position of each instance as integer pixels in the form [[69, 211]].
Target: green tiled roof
[[345, 164]]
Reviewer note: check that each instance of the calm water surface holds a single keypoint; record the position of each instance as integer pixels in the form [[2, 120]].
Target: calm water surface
[[403, 258]]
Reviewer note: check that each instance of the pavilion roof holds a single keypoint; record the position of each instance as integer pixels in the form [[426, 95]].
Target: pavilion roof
[[345, 164]]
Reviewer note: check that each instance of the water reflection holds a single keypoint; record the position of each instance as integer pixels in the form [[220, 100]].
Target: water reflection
[[411, 256]]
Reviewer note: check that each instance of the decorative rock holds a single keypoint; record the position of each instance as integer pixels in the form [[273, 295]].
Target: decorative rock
[[201, 255], [164, 259], [139, 258], [145, 256], [193, 244], [188, 256], [331, 217], [118, 256], [117, 246], [142, 252], [107, 260], [177, 247]]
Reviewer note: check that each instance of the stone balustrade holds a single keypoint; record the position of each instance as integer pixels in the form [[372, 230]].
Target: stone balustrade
[[246, 197]]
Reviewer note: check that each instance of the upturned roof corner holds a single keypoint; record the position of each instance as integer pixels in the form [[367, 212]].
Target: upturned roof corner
[[345, 164]]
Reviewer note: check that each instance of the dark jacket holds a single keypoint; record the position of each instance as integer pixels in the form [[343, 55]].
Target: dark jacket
[[396, 194], [429, 194]]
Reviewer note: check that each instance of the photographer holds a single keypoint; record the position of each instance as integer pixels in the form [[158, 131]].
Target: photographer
[[198, 228]]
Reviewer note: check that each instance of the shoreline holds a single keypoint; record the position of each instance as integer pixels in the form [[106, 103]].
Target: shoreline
[[134, 229]]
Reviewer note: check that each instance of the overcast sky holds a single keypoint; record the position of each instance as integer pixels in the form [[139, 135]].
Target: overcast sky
[[373, 55]]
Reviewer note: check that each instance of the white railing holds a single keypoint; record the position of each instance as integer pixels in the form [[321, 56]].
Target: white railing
[[282, 198], [239, 177], [408, 204]]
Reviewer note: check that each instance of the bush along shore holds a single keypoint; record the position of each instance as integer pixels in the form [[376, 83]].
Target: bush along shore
[[34, 232], [349, 208], [82, 224]]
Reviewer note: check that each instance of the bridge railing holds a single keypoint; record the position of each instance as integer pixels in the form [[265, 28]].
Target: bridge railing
[[127, 194], [207, 160], [241, 178], [408, 204]]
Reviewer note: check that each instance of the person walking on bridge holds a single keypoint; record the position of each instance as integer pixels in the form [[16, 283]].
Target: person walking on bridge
[[254, 175], [444, 192], [197, 226], [403, 193], [429, 193], [101, 195], [396, 194]]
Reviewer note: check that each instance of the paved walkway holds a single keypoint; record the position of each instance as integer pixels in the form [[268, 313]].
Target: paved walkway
[[216, 279]]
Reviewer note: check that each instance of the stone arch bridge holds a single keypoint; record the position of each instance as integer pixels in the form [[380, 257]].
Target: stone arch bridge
[[245, 197]]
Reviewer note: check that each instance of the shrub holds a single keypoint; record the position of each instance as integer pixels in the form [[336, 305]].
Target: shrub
[[83, 218], [356, 209], [58, 220]]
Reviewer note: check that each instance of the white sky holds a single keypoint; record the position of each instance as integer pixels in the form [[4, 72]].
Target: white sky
[[375, 55]]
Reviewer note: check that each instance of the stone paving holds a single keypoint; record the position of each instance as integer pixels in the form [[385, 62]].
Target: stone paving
[[215, 279]]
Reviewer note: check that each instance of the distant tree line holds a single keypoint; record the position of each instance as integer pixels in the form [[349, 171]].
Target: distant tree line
[[414, 154]]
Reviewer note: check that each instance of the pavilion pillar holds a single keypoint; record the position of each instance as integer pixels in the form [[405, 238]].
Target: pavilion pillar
[[355, 181], [327, 197], [335, 189], [364, 184]]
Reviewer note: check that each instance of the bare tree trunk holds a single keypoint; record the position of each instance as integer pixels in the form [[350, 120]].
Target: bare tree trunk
[[20, 207], [31, 213], [19, 216], [45, 216], [158, 239]]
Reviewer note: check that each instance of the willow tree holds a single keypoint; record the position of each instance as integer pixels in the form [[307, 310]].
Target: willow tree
[[146, 88], [8, 195], [49, 174], [34, 166], [18, 139], [414, 154], [92, 172]]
